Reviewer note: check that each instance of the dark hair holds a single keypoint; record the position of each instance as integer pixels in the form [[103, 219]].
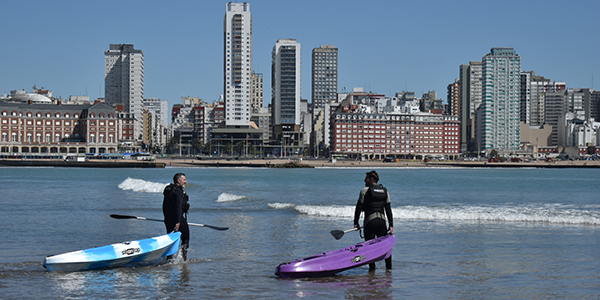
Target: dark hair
[[177, 176], [373, 175]]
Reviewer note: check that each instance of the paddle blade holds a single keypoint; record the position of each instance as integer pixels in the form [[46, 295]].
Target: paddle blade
[[217, 227], [209, 226], [122, 216], [337, 234]]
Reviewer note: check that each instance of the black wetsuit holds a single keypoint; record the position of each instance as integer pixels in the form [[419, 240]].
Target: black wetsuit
[[374, 201], [175, 207]]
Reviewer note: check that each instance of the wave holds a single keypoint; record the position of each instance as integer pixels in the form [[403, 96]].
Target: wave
[[225, 197], [542, 213], [281, 205], [139, 185]]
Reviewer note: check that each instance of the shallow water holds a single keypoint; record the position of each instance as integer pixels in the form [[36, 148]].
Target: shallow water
[[462, 233]]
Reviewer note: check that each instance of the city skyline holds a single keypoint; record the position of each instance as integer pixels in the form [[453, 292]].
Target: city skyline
[[383, 47]]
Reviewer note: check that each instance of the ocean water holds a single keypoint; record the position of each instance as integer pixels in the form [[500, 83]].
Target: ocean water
[[461, 233]]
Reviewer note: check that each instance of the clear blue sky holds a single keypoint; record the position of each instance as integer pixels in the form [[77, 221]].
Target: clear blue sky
[[384, 46]]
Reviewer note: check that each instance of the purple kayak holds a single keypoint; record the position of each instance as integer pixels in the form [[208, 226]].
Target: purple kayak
[[329, 263]]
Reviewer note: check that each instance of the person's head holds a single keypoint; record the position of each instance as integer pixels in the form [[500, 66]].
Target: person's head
[[371, 178], [179, 179]]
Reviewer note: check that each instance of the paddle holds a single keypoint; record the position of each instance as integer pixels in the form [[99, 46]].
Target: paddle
[[157, 220], [338, 234]]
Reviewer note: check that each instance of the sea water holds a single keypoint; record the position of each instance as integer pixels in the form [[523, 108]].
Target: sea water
[[461, 233]]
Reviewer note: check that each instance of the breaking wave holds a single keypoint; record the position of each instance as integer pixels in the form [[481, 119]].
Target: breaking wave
[[225, 197], [143, 186], [542, 213]]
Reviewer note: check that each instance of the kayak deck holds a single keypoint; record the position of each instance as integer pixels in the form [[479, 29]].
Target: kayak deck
[[115, 255], [329, 263]]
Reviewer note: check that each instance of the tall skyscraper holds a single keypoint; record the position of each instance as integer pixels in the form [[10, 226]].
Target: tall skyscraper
[[237, 67], [124, 78], [285, 84], [324, 75], [498, 126], [470, 99]]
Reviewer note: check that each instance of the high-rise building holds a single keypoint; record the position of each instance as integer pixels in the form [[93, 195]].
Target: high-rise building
[[286, 83], [124, 78], [533, 93], [159, 121], [237, 67], [454, 98], [256, 92], [324, 75], [470, 99], [555, 103], [498, 126], [285, 96]]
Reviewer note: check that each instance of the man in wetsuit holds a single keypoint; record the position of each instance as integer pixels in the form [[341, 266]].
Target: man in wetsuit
[[175, 208], [374, 199]]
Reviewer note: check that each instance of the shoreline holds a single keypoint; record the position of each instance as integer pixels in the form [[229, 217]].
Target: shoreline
[[286, 163], [311, 163]]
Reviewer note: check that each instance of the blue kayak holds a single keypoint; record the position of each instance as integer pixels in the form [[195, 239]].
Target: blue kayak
[[115, 255]]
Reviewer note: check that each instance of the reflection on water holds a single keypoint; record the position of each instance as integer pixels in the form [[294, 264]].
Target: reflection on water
[[357, 284], [136, 282]]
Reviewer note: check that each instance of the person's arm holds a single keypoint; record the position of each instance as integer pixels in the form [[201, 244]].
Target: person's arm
[[389, 214], [358, 209], [357, 212], [178, 207]]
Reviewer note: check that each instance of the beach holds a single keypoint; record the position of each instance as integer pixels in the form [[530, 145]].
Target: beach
[[162, 162], [322, 163]]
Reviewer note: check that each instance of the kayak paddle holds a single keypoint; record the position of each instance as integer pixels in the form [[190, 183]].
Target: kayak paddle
[[338, 234], [142, 218]]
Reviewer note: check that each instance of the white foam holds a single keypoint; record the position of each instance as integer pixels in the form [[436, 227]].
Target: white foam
[[556, 214], [139, 185], [281, 205], [536, 213], [225, 197], [327, 211], [318, 210]]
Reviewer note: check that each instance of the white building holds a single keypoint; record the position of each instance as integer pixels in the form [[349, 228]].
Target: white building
[[159, 110], [576, 131], [498, 127], [124, 77], [237, 66], [124, 81]]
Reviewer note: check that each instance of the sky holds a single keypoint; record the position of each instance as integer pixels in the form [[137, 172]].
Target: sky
[[384, 46]]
